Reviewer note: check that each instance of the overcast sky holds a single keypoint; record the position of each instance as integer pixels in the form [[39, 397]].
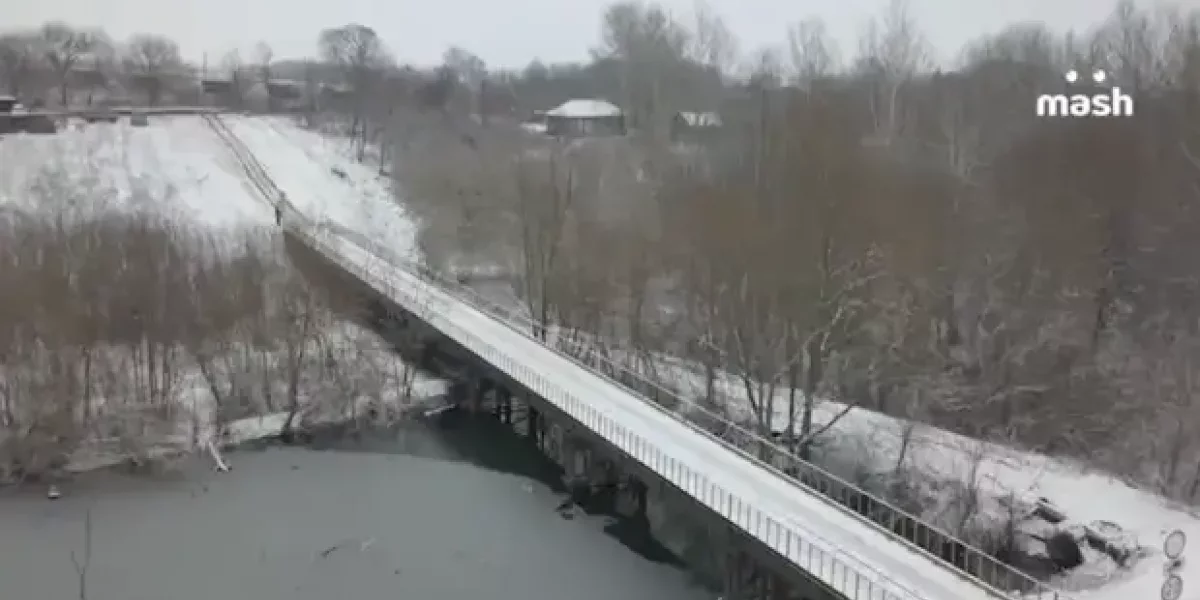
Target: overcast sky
[[513, 32]]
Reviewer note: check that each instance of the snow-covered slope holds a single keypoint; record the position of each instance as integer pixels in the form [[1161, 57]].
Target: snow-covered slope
[[870, 443], [175, 166], [323, 182], [179, 168]]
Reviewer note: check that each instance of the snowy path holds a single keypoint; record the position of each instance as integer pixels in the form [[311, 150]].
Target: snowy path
[[302, 163]]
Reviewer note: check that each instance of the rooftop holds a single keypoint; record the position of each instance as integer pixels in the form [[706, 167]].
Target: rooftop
[[580, 108]]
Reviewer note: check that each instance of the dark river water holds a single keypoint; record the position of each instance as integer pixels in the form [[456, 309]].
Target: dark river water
[[420, 512]]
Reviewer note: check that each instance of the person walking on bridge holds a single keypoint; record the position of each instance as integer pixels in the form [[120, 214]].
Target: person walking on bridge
[[279, 209]]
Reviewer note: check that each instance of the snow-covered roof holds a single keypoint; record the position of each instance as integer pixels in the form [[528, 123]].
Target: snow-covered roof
[[701, 119], [583, 109]]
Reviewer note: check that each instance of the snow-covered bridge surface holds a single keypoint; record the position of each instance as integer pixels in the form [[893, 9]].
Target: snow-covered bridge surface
[[849, 553]]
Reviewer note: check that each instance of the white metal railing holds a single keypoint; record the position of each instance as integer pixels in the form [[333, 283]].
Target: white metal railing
[[977, 566], [973, 563], [821, 558]]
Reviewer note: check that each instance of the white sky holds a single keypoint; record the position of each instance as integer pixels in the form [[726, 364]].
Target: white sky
[[513, 32]]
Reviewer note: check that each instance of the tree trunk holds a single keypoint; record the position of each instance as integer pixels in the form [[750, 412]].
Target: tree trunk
[[793, 383], [812, 378]]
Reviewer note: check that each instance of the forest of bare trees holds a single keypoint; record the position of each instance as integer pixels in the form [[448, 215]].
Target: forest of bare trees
[[869, 227], [132, 335], [59, 64]]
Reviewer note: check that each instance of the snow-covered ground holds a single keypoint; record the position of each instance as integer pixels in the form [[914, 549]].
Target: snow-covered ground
[[322, 180], [178, 168], [872, 441], [177, 158]]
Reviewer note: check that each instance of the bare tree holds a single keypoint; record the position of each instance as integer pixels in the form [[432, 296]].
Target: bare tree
[[470, 69], [470, 74], [545, 194], [239, 81], [360, 57], [892, 52], [20, 56], [64, 47], [765, 72], [82, 563], [712, 44], [300, 318], [151, 61], [263, 55], [812, 52], [648, 48], [312, 92]]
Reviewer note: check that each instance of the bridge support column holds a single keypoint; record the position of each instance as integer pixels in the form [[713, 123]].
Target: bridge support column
[[496, 402], [733, 575], [479, 390], [780, 589], [566, 454], [504, 405], [458, 392], [639, 492], [747, 580], [534, 424], [429, 352]]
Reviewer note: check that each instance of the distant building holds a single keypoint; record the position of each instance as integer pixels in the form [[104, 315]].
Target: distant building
[[285, 89], [217, 87], [584, 118], [692, 126]]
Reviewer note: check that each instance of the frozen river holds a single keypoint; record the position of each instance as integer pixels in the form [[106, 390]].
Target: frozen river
[[420, 513]]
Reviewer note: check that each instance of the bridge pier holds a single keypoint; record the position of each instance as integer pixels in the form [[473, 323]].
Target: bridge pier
[[533, 423], [502, 404], [747, 579], [480, 386]]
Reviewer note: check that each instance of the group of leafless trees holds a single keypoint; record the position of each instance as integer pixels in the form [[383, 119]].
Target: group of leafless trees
[[128, 334], [61, 64], [870, 228]]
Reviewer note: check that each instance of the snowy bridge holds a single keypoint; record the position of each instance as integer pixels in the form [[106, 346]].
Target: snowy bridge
[[856, 544]]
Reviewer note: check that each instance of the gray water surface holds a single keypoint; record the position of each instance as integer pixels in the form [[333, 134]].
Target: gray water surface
[[402, 526]]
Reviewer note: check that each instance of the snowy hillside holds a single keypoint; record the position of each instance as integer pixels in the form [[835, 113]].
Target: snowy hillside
[[174, 157], [179, 169], [867, 444], [326, 184]]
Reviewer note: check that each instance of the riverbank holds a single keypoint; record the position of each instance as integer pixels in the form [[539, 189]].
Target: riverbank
[[421, 509]]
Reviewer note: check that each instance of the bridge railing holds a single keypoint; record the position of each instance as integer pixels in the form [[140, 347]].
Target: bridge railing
[[820, 558], [936, 544]]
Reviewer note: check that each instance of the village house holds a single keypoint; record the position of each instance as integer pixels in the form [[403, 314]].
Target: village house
[[585, 118]]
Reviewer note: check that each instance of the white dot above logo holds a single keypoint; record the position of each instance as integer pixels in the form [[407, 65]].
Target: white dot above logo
[[1099, 76]]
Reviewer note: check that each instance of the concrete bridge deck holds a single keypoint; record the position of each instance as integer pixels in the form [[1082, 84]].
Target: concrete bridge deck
[[852, 554]]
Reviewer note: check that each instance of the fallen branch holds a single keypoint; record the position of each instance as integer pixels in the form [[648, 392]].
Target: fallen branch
[[222, 466], [81, 565]]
